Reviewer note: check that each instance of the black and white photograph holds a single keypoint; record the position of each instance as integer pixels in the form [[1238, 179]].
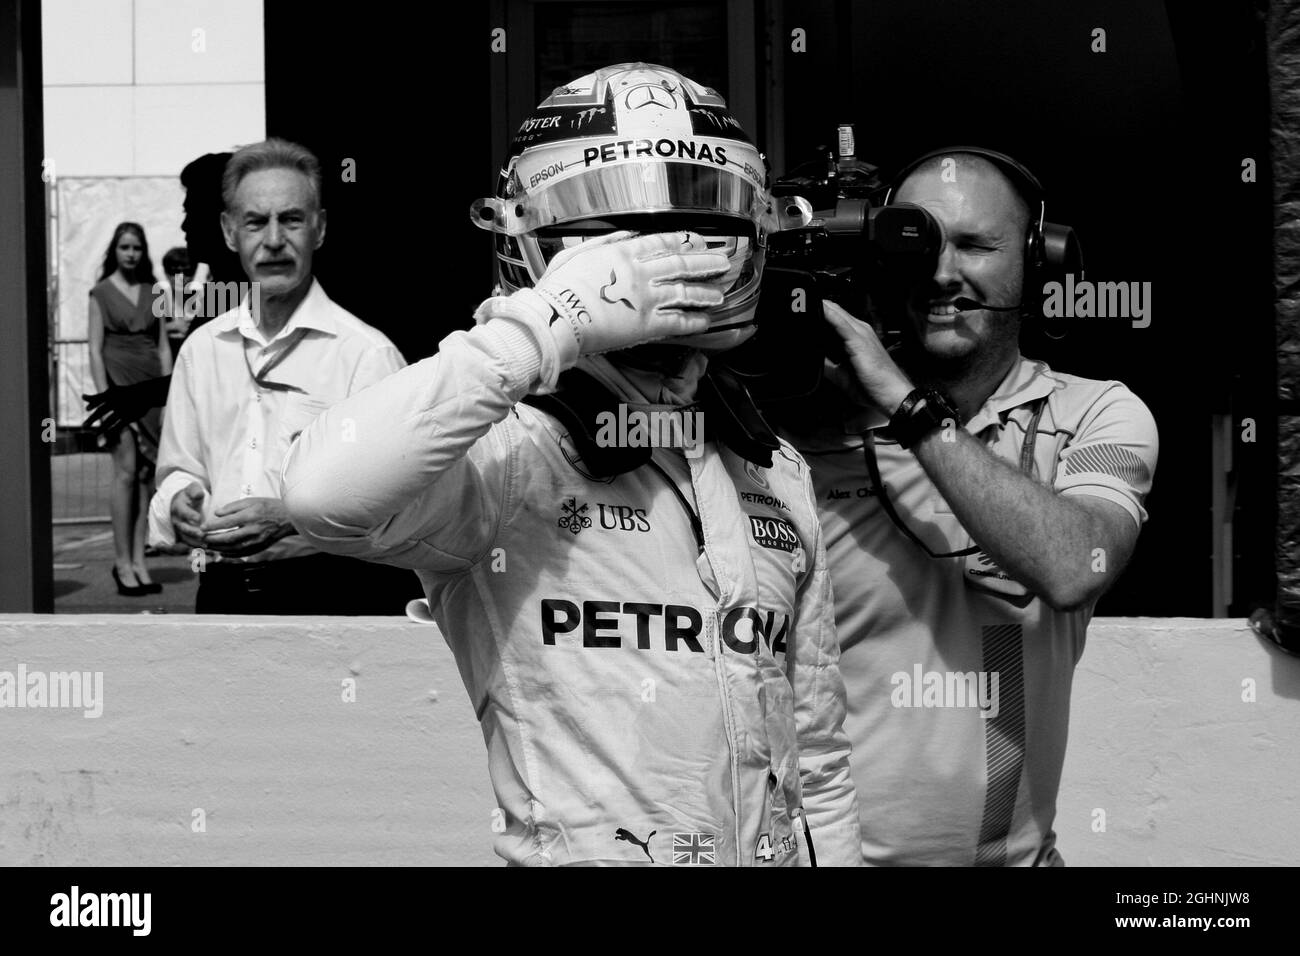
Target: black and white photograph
[[750, 433]]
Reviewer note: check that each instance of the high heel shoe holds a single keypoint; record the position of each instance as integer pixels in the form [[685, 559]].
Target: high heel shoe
[[127, 590], [149, 587]]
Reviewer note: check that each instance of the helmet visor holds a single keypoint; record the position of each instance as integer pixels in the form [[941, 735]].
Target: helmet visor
[[636, 188], [730, 237]]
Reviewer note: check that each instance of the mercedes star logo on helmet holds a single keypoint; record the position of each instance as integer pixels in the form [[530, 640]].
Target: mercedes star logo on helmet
[[650, 94], [634, 146]]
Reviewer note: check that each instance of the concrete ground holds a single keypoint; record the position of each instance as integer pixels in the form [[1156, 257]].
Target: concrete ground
[[83, 549], [83, 562]]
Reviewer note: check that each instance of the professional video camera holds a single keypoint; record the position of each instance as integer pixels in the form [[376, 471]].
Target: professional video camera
[[846, 245], [842, 239]]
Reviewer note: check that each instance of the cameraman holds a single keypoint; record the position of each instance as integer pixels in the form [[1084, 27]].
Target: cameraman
[[1006, 498]]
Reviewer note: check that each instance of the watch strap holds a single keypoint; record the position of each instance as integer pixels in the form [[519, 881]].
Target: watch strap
[[925, 409]]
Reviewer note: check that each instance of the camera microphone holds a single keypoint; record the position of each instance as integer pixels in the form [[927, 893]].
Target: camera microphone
[[964, 304]]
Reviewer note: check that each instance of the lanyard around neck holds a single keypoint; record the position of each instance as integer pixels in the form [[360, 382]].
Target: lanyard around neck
[[882, 495], [259, 377]]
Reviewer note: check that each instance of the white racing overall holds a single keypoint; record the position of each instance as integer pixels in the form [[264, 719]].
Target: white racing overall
[[652, 656]]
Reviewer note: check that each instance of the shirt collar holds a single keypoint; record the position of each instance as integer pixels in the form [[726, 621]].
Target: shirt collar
[[315, 311], [1026, 381]]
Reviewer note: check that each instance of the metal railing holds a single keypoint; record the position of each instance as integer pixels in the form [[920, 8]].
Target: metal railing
[[80, 472]]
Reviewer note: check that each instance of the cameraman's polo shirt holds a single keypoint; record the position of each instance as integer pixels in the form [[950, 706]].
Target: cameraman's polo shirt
[[958, 679]]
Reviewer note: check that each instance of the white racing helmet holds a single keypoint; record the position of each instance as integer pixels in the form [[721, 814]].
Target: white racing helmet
[[640, 147]]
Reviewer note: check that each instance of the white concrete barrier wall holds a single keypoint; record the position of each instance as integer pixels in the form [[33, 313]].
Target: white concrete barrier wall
[[1185, 733], [245, 720]]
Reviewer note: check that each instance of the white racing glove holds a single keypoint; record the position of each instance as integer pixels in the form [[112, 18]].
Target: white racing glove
[[613, 292]]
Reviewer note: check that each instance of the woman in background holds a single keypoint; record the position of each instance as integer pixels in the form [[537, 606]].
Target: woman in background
[[128, 344]]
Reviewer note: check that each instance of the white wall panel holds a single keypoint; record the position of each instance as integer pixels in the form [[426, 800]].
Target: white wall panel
[[86, 42], [231, 39], [176, 124]]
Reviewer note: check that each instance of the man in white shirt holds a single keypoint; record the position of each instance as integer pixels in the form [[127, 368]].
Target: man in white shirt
[[245, 385]]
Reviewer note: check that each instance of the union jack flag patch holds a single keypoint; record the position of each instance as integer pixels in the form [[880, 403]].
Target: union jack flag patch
[[694, 849]]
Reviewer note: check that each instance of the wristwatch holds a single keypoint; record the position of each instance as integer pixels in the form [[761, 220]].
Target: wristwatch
[[925, 409]]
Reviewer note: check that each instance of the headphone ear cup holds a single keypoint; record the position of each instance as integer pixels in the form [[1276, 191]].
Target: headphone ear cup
[[1031, 292], [1034, 250]]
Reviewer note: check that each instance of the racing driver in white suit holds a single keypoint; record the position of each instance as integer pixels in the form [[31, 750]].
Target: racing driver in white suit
[[642, 618]]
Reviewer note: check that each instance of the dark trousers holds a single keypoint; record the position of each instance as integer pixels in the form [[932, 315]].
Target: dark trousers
[[313, 584]]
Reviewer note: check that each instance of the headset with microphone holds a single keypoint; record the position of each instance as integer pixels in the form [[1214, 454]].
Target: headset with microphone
[[1050, 248]]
